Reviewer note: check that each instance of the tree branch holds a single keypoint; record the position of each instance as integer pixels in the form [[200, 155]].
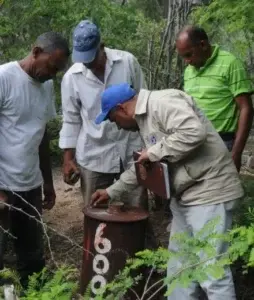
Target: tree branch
[[44, 226]]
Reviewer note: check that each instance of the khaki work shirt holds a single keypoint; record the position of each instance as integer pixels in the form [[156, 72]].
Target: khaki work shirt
[[173, 128]]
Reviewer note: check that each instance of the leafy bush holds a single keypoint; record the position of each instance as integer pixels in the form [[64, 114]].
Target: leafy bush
[[54, 128], [244, 215], [241, 239], [194, 267], [63, 283], [46, 285], [228, 24]]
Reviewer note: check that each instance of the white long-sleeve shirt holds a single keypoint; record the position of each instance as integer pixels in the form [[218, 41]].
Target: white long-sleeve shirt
[[98, 147]]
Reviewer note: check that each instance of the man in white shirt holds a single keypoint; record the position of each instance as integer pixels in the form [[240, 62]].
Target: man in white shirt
[[98, 153], [26, 105]]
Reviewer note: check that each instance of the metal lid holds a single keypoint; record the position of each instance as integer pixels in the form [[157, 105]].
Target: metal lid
[[116, 212]]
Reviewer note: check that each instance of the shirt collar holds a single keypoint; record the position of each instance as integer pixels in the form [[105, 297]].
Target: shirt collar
[[112, 56], [141, 106], [215, 53], [212, 57]]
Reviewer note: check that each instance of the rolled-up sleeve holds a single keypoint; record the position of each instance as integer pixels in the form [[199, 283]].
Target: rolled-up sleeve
[[71, 108], [184, 132], [126, 183]]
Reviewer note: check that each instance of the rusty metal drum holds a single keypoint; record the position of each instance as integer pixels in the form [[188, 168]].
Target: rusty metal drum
[[111, 235]]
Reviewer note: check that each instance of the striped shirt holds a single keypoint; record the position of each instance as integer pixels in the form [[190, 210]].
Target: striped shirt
[[214, 87]]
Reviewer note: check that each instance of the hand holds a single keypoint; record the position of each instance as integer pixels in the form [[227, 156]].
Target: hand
[[70, 171], [143, 158], [3, 196], [3, 199], [237, 158], [98, 197], [49, 196]]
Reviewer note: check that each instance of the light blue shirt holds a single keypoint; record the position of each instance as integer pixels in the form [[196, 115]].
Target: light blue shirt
[[98, 147]]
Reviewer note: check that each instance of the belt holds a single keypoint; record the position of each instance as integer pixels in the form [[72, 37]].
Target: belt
[[227, 136]]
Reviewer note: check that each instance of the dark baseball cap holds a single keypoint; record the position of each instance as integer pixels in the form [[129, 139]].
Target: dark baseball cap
[[86, 41]]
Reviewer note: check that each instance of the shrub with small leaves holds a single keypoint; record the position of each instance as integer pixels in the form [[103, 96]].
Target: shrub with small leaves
[[198, 261], [46, 285]]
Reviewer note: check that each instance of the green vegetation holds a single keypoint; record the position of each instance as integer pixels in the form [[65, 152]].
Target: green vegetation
[[59, 285], [230, 23], [54, 128], [141, 27], [145, 28], [194, 268]]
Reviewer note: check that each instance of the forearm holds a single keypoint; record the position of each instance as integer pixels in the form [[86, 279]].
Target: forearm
[[45, 161], [126, 183], [69, 154], [243, 130]]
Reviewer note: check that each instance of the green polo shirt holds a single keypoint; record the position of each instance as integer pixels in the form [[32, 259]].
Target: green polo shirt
[[214, 87]]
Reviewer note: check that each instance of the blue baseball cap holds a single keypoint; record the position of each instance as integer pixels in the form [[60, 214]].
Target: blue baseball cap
[[86, 41], [111, 97]]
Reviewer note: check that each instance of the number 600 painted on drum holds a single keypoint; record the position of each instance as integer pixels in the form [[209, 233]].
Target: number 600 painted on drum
[[100, 262]]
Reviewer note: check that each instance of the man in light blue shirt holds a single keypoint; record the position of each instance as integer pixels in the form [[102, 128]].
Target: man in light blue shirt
[[96, 153]]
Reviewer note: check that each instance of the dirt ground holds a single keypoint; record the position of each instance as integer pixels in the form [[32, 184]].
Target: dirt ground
[[67, 213], [65, 223]]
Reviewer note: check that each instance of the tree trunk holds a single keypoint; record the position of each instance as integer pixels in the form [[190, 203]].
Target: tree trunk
[[177, 15]]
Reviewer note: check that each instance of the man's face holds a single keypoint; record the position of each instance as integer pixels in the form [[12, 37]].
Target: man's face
[[47, 65], [98, 61], [122, 120], [193, 54]]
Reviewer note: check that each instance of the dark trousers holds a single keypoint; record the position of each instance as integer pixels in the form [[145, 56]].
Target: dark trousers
[[228, 139], [229, 145], [28, 244]]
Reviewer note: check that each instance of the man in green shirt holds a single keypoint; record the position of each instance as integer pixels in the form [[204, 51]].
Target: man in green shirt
[[218, 82]]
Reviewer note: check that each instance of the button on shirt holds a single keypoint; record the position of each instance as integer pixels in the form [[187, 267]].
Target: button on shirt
[[99, 148], [25, 107]]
